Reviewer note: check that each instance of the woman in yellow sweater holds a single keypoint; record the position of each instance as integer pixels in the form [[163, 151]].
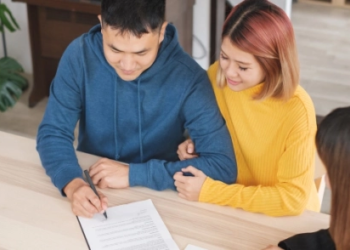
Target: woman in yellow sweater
[[270, 117]]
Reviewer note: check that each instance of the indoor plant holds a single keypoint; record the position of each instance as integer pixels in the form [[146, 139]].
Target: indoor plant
[[12, 83]]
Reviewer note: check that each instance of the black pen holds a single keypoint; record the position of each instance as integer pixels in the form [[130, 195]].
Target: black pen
[[88, 178]]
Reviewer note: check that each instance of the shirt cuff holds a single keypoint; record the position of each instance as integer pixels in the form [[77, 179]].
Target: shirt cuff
[[66, 175], [138, 174]]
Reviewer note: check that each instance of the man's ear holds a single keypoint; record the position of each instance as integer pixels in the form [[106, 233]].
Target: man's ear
[[162, 32], [100, 19]]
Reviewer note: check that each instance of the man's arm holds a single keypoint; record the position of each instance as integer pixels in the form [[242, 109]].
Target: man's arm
[[56, 135], [208, 131], [56, 131]]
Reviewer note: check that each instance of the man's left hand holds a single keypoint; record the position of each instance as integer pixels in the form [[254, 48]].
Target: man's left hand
[[107, 173], [189, 187]]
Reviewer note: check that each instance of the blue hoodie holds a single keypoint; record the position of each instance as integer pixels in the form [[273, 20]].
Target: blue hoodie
[[139, 122]]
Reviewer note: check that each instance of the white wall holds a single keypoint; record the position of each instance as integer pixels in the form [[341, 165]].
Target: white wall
[[201, 32], [18, 45]]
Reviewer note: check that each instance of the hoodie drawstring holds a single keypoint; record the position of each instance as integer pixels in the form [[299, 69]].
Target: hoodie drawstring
[[140, 123], [116, 120]]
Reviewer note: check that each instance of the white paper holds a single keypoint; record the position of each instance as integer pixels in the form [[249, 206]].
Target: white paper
[[134, 226], [192, 247]]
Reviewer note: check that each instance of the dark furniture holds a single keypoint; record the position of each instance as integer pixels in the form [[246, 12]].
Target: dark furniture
[[217, 18], [219, 10], [53, 24]]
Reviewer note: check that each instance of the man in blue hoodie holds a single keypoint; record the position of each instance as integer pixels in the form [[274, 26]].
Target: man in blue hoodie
[[134, 91]]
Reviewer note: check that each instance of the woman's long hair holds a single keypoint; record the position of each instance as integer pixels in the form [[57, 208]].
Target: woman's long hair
[[333, 146]]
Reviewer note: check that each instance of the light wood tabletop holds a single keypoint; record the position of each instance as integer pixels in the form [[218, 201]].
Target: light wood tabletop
[[34, 215]]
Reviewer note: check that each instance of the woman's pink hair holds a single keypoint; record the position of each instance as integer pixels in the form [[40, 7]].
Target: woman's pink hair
[[264, 30]]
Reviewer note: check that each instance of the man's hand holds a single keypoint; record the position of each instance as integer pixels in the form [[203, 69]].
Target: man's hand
[[186, 150], [108, 173], [189, 187], [271, 247], [83, 200]]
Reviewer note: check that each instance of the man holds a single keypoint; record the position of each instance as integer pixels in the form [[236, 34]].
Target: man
[[134, 91]]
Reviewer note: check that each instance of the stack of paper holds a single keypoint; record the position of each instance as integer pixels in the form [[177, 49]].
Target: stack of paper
[[134, 226]]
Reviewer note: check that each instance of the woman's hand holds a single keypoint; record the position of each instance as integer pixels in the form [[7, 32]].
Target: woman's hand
[[189, 187], [186, 150]]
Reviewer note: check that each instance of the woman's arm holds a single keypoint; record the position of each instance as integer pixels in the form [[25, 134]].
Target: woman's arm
[[288, 196]]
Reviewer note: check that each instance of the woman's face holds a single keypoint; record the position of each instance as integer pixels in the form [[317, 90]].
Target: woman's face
[[241, 69]]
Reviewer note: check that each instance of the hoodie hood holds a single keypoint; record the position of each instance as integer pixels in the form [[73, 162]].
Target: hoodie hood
[[136, 89], [168, 48]]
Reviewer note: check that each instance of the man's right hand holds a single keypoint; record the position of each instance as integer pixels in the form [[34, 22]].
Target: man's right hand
[[186, 150], [83, 199]]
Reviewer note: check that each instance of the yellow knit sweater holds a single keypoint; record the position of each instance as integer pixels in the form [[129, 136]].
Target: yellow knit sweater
[[274, 146]]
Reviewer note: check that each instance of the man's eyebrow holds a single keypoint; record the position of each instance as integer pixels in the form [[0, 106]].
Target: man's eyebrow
[[114, 48], [137, 52]]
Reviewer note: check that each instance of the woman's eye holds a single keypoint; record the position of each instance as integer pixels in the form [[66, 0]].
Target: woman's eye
[[243, 69], [223, 57]]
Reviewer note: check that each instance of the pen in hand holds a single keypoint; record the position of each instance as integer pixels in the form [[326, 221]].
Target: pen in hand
[[88, 179]]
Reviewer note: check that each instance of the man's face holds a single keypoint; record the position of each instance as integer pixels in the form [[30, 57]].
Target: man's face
[[128, 54]]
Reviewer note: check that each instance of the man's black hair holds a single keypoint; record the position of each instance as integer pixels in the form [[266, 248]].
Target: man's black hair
[[135, 16]]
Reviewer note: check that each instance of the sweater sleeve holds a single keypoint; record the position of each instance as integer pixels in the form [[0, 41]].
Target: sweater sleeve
[[56, 131], [288, 196], [213, 143]]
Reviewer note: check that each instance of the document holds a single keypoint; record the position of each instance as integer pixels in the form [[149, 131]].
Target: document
[[134, 226]]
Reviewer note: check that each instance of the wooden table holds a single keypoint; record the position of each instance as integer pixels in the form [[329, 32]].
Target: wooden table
[[53, 24], [33, 214]]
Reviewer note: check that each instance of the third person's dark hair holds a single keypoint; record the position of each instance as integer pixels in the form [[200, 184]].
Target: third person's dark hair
[[333, 146]]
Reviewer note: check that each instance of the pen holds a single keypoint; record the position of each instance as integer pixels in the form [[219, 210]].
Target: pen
[[88, 178]]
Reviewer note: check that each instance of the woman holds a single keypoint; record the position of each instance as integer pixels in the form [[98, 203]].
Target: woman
[[270, 117], [333, 146]]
